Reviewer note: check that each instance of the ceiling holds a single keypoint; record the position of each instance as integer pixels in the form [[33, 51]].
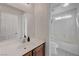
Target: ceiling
[[22, 6]]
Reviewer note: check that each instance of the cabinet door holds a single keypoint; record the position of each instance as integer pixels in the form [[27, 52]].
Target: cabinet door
[[28, 54], [39, 51]]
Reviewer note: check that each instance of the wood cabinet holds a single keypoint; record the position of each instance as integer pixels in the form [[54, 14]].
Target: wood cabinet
[[38, 51], [28, 54]]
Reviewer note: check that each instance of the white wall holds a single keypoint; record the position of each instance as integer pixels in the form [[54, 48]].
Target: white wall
[[30, 25], [38, 22], [41, 21]]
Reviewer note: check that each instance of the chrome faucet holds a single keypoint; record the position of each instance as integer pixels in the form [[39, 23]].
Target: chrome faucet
[[24, 39]]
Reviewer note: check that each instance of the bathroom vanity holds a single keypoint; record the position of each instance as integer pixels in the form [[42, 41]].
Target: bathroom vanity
[[15, 47], [37, 51]]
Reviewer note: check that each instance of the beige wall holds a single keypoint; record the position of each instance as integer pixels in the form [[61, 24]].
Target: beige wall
[[38, 22], [41, 21], [30, 25]]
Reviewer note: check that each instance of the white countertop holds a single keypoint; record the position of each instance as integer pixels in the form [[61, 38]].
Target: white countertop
[[16, 48]]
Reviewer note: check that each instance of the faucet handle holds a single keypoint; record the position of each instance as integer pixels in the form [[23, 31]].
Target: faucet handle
[[24, 36]]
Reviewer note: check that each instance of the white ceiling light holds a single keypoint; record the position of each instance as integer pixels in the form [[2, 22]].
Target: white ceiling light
[[63, 17], [65, 4]]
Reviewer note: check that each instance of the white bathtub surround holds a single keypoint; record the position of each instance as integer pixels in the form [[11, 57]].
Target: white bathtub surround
[[64, 30], [64, 48]]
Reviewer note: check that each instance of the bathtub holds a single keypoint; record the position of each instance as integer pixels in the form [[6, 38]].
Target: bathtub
[[62, 48]]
